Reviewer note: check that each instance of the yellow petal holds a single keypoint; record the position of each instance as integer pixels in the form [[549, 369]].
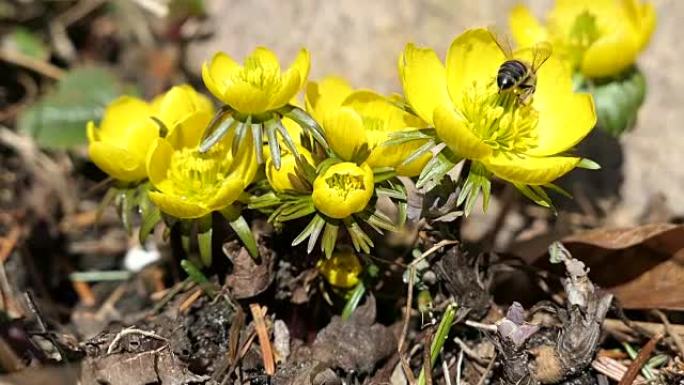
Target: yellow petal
[[424, 80], [529, 170], [246, 98], [217, 72], [91, 132], [344, 131], [610, 54], [452, 130], [525, 27], [563, 123], [188, 131], [473, 60], [289, 86], [565, 117], [646, 24], [230, 190], [158, 160], [326, 96], [280, 180], [344, 189], [177, 207], [393, 155], [120, 115], [179, 102], [117, 162], [342, 269], [263, 59], [244, 164]]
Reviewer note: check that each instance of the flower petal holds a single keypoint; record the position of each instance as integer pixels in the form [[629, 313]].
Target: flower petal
[[565, 117], [393, 155], [610, 54], [178, 207], [529, 170], [344, 131], [91, 132], [158, 160], [453, 131], [117, 162], [525, 27], [290, 84], [246, 98], [228, 192], [217, 71], [179, 102], [326, 96], [473, 60], [424, 79], [120, 116], [188, 131]]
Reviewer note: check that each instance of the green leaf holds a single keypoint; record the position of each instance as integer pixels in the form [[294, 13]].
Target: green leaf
[[440, 338], [198, 277], [588, 164], [240, 133], [286, 137], [330, 237], [150, 218], [402, 137], [27, 43], [618, 100], [476, 183], [204, 234], [273, 143], [420, 151], [437, 167], [304, 120], [243, 231], [359, 238], [219, 126], [59, 119], [353, 301], [312, 231], [257, 135]]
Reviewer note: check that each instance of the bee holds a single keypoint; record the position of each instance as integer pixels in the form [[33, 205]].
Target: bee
[[518, 74]]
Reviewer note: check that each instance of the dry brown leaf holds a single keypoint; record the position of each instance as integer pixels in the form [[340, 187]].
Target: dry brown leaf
[[643, 266]]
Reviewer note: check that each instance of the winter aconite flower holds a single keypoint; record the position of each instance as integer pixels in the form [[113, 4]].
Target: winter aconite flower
[[190, 184], [521, 142], [342, 269], [257, 96], [343, 189], [259, 85], [119, 146], [600, 38], [353, 120]]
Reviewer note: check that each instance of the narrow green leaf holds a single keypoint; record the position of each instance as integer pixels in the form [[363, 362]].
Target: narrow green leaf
[[258, 141], [588, 164], [315, 233], [286, 137], [240, 134], [273, 143], [307, 230], [149, 221], [401, 137], [198, 277], [204, 235], [420, 151], [186, 234], [304, 120], [127, 197], [330, 237], [243, 231], [220, 125], [353, 301], [440, 338]]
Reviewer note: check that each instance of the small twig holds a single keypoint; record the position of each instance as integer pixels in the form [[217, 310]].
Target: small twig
[[192, 298], [84, 292], [445, 373], [128, 331], [640, 360], [613, 369], [258, 313], [676, 338], [458, 367], [488, 370], [25, 61], [481, 326], [473, 355]]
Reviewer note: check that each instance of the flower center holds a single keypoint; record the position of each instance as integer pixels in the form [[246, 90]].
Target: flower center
[[583, 33], [344, 184], [258, 75], [501, 120], [197, 176]]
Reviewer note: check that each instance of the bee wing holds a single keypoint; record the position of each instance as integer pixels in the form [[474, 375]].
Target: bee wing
[[502, 40], [536, 55]]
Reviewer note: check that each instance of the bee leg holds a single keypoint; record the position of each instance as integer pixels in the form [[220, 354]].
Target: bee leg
[[525, 95]]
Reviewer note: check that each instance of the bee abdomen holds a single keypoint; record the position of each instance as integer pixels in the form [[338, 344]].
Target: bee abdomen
[[511, 72]]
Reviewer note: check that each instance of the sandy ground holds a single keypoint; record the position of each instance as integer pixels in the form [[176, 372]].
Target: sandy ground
[[361, 40]]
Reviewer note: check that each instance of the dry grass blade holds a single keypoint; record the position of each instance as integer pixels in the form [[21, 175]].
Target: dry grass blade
[[259, 313], [640, 360]]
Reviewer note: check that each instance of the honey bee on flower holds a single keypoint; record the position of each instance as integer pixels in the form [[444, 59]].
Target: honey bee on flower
[[522, 143]]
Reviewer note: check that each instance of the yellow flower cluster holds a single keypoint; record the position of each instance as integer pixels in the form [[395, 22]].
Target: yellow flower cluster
[[336, 156]]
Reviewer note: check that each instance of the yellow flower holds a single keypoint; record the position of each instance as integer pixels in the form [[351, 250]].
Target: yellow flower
[[121, 143], [518, 142], [259, 85], [343, 189], [190, 184], [353, 119], [598, 37], [342, 269], [281, 180]]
